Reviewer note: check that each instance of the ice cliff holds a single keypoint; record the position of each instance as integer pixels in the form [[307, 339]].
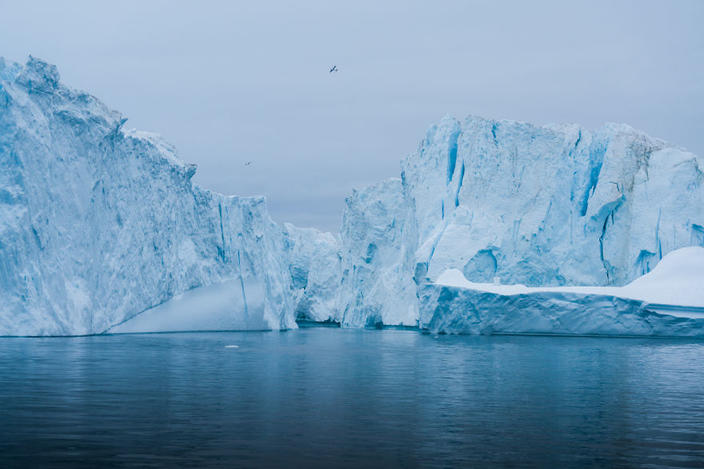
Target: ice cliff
[[377, 257], [550, 205], [99, 223]]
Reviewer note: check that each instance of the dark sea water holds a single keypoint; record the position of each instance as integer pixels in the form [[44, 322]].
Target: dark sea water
[[349, 398]]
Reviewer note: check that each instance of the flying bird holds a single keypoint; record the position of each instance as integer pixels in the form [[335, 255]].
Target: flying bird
[[334, 69], [248, 163]]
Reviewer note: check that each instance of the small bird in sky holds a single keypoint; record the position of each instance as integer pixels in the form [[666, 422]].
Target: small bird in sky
[[248, 163], [334, 69]]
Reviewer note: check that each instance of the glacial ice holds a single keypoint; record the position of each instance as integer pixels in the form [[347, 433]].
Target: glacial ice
[[551, 205], [668, 301], [376, 288], [99, 223], [314, 266], [312, 262], [217, 307], [542, 206], [102, 229]]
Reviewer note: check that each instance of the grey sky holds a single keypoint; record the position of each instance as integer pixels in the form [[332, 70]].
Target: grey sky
[[229, 82]]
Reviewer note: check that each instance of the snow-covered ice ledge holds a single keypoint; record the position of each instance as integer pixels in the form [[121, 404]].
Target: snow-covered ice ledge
[[669, 301]]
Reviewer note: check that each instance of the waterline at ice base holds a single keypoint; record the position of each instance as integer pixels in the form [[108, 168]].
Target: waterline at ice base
[[493, 227]]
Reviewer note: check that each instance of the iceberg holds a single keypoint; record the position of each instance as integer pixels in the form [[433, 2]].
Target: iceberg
[[99, 223], [552, 205], [668, 301]]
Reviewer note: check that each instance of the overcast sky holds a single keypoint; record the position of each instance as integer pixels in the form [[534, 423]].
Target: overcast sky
[[230, 82]]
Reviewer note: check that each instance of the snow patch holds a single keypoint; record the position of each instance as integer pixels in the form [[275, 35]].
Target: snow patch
[[678, 279]]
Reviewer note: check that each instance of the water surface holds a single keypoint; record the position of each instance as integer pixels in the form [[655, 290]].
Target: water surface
[[335, 397]]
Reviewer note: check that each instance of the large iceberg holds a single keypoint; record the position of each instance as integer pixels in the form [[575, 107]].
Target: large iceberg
[[541, 206], [99, 223]]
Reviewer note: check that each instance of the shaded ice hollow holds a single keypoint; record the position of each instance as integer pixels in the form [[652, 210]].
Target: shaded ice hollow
[[102, 229]]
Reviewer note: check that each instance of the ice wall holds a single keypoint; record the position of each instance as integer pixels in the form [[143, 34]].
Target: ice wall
[[550, 205], [99, 223], [456, 310]]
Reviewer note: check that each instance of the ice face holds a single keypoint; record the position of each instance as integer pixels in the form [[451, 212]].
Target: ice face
[[454, 310], [551, 205], [668, 301], [99, 223], [222, 306], [377, 255], [314, 267]]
